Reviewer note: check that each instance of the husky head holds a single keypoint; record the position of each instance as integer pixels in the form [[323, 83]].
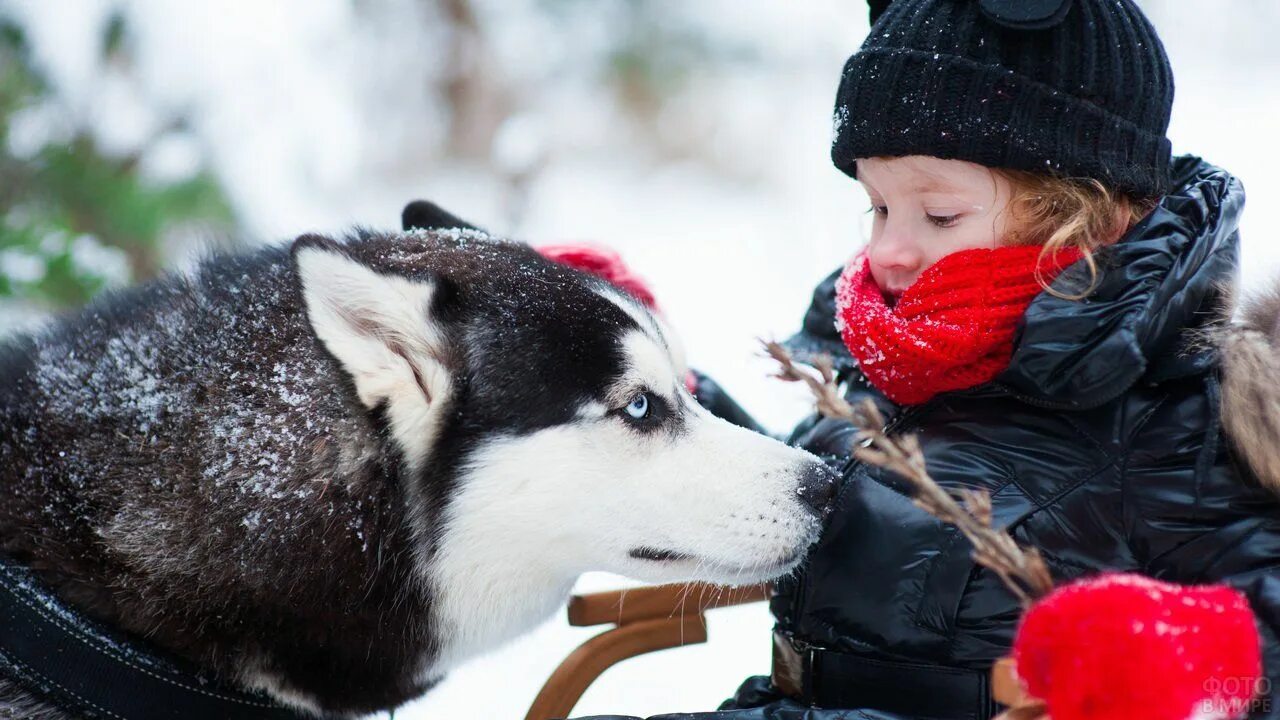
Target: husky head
[[547, 431]]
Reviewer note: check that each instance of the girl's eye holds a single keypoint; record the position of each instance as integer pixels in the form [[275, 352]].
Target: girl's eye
[[943, 220], [880, 209], [638, 408]]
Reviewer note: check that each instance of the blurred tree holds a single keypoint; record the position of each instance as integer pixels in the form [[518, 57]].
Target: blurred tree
[[656, 50], [473, 84], [76, 219]]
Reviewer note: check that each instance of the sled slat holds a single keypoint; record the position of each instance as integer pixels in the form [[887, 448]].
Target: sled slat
[[569, 681], [647, 619]]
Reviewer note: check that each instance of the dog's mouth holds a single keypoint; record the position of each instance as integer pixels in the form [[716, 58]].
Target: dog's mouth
[[672, 556], [655, 555]]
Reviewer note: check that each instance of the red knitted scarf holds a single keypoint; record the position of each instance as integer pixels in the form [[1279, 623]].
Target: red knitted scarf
[[952, 329]]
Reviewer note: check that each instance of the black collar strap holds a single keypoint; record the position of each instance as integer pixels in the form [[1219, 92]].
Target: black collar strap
[[55, 653]]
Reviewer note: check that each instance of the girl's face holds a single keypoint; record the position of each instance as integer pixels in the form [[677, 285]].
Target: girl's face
[[926, 208]]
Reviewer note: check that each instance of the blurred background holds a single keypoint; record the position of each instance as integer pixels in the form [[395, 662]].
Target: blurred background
[[690, 136]]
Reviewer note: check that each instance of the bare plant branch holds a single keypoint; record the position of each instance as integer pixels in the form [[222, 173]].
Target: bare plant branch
[[823, 385], [969, 510]]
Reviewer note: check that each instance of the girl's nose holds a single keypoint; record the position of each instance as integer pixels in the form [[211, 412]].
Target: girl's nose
[[894, 251]]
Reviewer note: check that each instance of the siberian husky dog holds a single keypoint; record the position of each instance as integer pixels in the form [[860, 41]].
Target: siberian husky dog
[[329, 472]]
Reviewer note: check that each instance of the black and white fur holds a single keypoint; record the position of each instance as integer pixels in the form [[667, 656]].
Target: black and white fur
[[333, 471]]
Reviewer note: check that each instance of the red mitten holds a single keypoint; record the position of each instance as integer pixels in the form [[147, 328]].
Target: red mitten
[[1126, 647], [608, 264]]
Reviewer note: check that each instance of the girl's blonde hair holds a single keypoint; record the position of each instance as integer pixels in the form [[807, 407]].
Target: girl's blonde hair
[[1061, 213]]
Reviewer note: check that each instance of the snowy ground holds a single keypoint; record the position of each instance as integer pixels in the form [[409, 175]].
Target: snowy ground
[[732, 250]]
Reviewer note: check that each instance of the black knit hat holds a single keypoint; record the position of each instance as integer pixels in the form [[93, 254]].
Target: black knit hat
[[1077, 88]]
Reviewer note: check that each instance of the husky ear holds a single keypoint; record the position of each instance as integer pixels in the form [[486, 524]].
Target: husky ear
[[379, 327], [426, 215]]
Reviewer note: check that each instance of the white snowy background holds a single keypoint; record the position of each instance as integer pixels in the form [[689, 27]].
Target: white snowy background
[[317, 115]]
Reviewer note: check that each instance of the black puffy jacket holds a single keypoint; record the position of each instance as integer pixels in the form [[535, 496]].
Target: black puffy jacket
[[1101, 445]]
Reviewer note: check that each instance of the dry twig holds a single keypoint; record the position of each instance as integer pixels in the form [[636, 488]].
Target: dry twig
[[1022, 570]]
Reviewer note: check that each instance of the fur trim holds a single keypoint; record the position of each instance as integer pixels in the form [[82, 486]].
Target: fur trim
[[1250, 346]]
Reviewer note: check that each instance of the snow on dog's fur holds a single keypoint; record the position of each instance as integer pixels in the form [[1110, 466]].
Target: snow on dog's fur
[[334, 471]]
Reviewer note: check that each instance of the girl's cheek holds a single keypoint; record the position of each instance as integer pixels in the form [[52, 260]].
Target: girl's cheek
[[976, 233]]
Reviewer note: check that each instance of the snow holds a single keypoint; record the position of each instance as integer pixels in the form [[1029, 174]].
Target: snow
[[122, 382], [89, 254], [313, 127], [21, 266]]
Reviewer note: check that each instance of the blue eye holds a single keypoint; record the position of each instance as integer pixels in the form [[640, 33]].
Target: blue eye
[[638, 408]]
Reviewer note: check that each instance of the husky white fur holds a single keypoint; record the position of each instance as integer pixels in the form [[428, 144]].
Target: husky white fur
[[333, 471]]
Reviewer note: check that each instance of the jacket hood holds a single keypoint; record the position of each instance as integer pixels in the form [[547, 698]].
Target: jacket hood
[[1152, 288]]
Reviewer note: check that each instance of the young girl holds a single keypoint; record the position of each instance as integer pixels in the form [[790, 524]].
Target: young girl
[[1031, 306]]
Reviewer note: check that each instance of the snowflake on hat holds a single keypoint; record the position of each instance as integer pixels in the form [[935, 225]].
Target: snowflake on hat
[[1126, 647]]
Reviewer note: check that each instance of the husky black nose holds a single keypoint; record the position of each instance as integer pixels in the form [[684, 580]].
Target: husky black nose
[[818, 489]]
